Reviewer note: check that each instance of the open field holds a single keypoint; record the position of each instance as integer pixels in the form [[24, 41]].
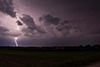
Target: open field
[[19, 58]]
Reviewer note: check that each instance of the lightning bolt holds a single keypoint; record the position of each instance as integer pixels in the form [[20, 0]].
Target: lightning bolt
[[16, 41]]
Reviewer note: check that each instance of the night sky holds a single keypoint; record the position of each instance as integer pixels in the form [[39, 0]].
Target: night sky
[[49, 22]]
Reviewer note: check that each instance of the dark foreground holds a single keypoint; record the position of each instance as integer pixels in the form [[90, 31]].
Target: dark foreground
[[20, 58], [97, 64]]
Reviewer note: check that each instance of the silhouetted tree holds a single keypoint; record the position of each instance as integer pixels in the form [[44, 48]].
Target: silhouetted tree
[[81, 46], [97, 45], [88, 45]]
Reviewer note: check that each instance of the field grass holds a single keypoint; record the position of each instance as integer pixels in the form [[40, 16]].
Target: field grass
[[15, 58]]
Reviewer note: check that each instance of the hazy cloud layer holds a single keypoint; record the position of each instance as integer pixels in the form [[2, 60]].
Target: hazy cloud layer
[[11, 34], [4, 32], [96, 32], [6, 7]]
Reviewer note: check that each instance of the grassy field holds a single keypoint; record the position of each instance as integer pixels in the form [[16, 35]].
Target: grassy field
[[15, 58]]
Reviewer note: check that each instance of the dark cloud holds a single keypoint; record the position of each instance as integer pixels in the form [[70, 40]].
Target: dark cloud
[[28, 32], [31, 27], [19, 23], [40, 30], [78, 29], [64, 27], [6, 7], [48, 19], [28, 20], [52, 23], [32, 33], [3, 29]]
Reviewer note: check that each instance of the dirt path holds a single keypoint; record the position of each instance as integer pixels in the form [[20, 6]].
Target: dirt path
[[94, 65]]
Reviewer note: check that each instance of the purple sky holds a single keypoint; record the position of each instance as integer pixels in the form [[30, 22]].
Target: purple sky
[[49, 22]]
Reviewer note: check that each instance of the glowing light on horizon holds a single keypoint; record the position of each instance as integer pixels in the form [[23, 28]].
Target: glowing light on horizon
[[16, 41]]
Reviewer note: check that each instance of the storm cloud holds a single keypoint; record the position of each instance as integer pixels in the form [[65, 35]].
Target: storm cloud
[[64, 27], [32, 28], [48, 20], [28, 21], [3, 29], [6, 7], [19, 23], [53, 24]]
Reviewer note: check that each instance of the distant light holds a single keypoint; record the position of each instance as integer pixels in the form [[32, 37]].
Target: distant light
[[16, 38]]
